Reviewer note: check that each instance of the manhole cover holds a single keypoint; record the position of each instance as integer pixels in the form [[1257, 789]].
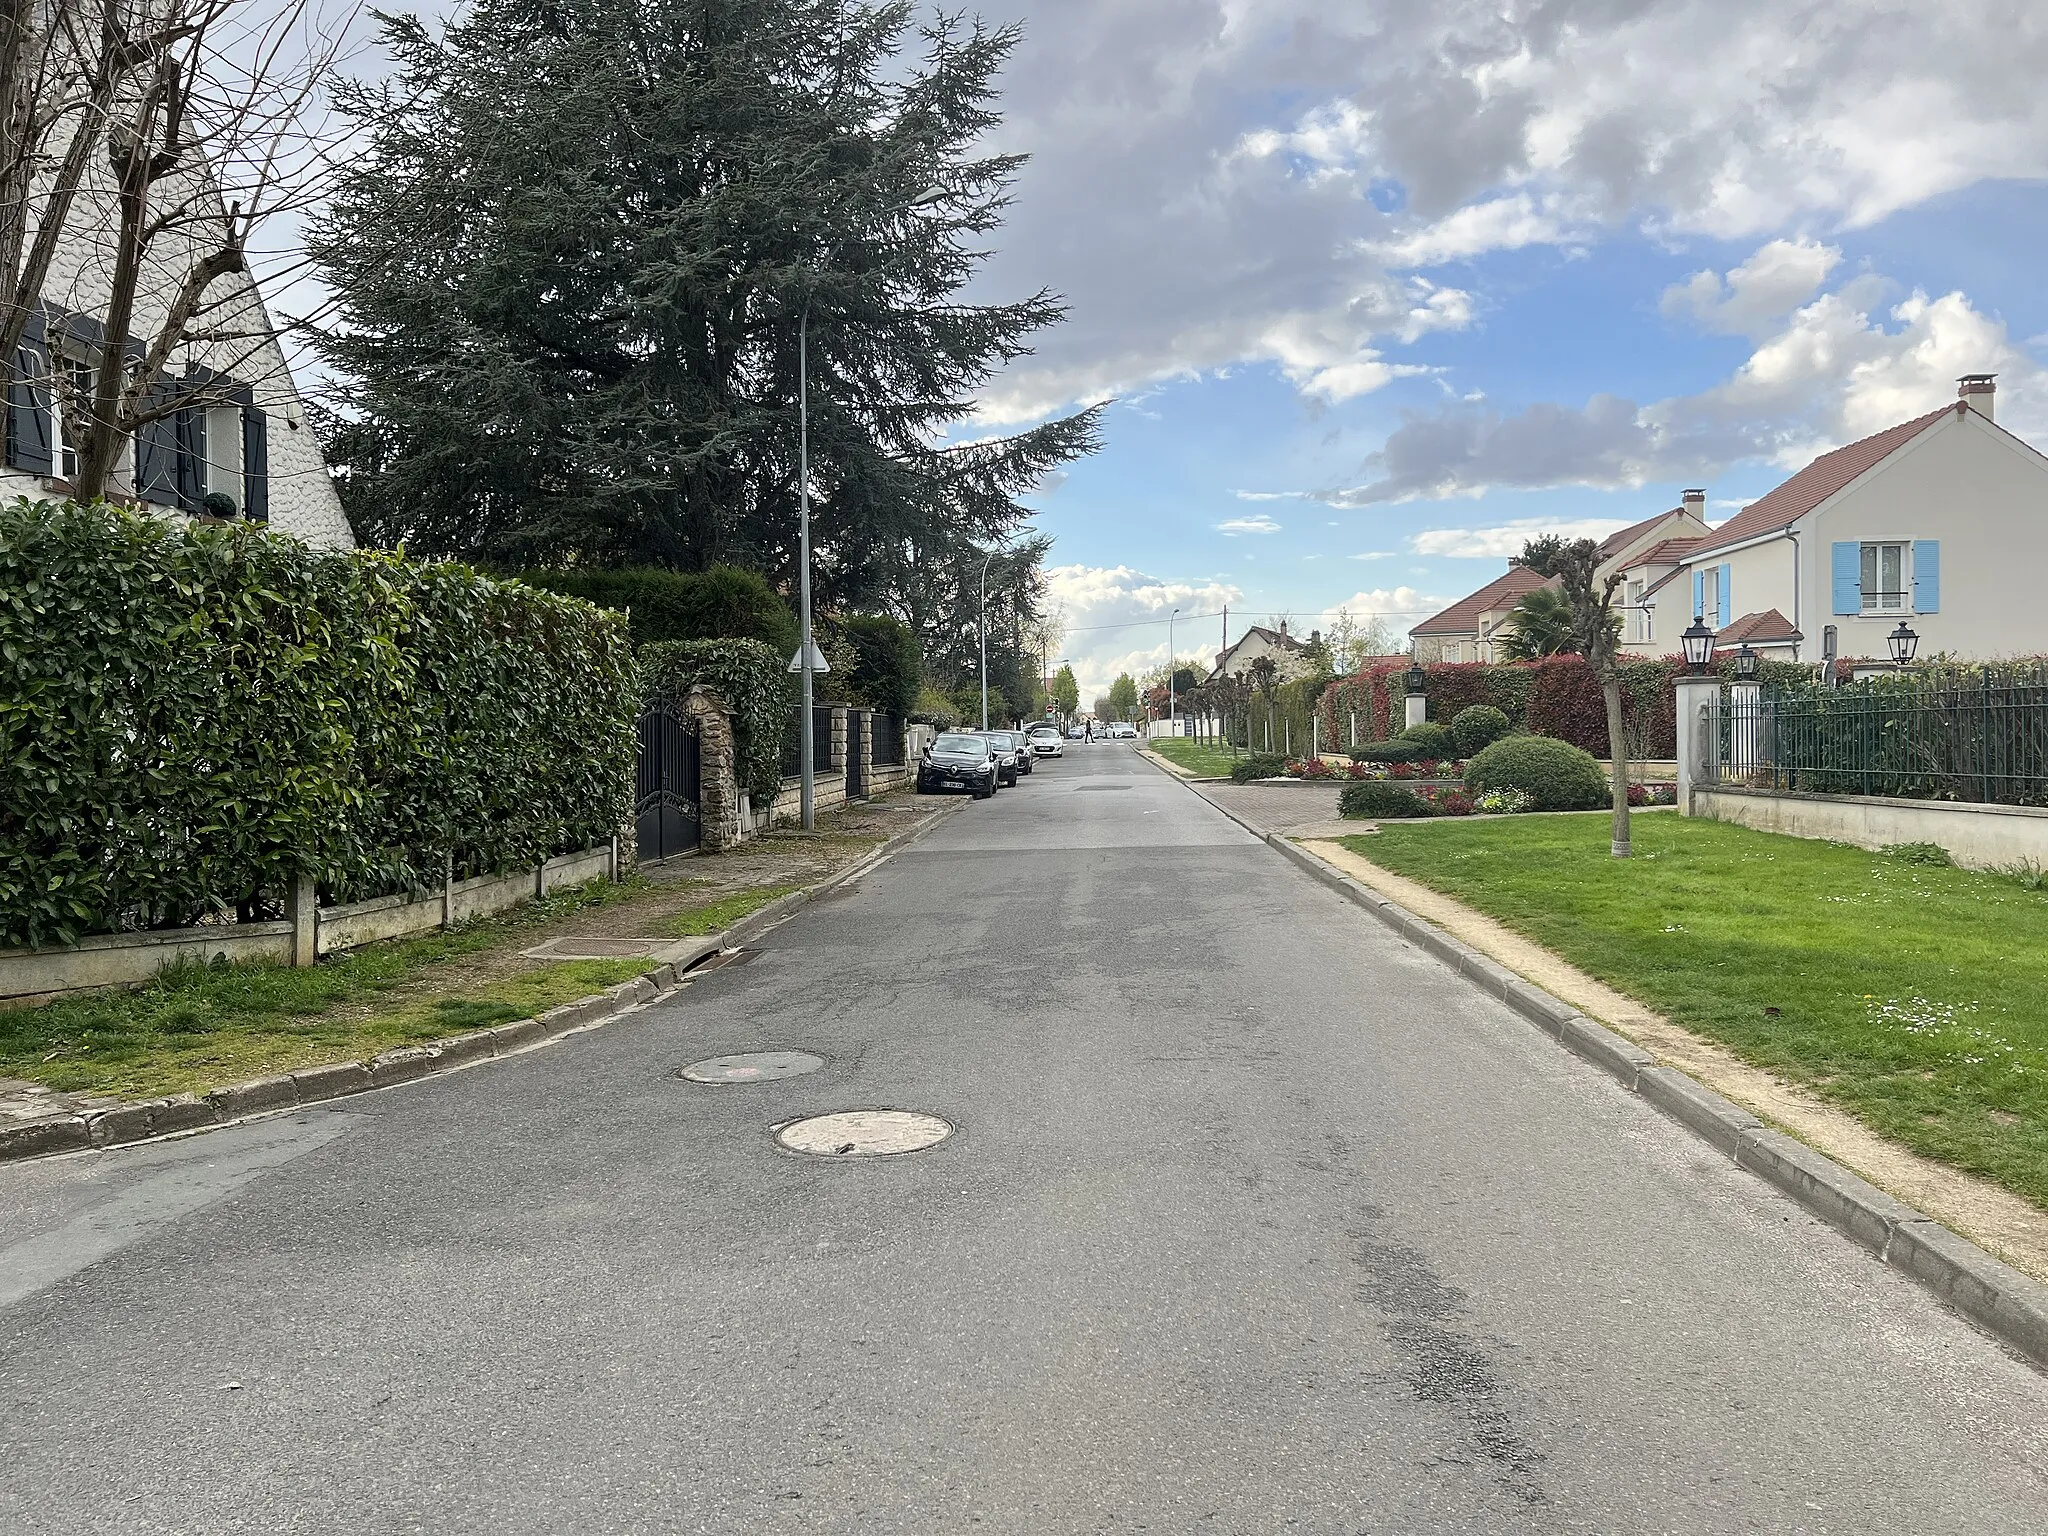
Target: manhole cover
[[752, 1067], [864, 1133]]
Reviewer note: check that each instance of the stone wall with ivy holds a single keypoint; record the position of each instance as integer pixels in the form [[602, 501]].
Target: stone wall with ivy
[[193, 717]]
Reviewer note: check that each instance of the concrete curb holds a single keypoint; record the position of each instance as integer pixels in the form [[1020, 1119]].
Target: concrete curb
[[2010, 1306], [180, 1114]]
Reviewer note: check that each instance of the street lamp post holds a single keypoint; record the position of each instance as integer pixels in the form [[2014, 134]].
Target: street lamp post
[[806, 757], [1172, 729], [981, 629]]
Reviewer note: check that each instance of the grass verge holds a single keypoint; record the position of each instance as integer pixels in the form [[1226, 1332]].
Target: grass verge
[[198, 1027], [1913, 996], [1195, 756], [716, 916]]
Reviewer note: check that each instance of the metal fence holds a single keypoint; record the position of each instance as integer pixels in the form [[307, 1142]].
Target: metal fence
[[1977, 736], [821, 740], [888, 747]]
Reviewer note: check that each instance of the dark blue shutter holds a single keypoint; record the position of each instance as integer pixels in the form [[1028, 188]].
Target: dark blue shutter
[[190, 436], [28, 402], [156, 451], [255, 463], [1847, 571]]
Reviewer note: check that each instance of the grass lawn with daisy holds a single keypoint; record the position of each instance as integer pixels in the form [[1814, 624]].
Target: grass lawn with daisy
[[1912, 995]]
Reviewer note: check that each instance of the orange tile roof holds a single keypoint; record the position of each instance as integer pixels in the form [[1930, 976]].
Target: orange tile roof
[[1462, 617], [1619, 540], [1770, 627], [1669, 552], [1783, 507]]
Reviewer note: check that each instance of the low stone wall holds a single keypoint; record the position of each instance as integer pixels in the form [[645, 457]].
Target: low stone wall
[[829, 792], [125, 959], [1976, 836]]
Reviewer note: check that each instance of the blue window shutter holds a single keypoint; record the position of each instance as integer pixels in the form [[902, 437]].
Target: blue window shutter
[[1699, 592], [1721, 612], [1848, 576], [1927, 575]]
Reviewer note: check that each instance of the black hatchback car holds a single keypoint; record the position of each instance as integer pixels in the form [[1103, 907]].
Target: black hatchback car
[[958, 760]]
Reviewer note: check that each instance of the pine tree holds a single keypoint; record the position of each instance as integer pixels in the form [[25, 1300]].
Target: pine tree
[[572, 261]]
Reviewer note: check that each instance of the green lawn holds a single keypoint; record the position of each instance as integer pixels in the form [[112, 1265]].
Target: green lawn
[[1913, 996], [197, 1027], [1195, 756]]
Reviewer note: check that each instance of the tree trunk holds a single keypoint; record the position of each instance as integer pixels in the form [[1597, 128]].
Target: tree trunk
[[1617, 752]]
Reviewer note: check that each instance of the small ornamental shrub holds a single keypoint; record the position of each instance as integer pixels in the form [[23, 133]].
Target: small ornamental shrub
[[1933, 855], [1310, 768], [1555, 774], [1377, 800], [1398, 750], [1478, 727], [1639, 794], [1432, 740], [1260, 765], [1505, 802], [1449, 802]]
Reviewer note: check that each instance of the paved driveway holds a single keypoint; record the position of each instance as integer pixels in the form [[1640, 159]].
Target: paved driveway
[[1254, 1220]]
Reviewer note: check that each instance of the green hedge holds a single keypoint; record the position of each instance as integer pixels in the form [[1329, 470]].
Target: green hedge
[[726, 602], [194, 716], [755, 683]]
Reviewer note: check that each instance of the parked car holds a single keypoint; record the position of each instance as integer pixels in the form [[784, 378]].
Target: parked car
[[960, 760], [1011, 755], [1077, 733], [1045, 741]]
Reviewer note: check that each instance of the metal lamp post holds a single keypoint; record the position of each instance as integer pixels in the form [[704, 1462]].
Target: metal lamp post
[[1698, 642], [1171, 728], [807, 656], [1902, 643], [1747, 664]]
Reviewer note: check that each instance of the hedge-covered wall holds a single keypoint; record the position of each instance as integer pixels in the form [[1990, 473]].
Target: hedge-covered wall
[[756, 686], [193, 716], [1557, 696], [726, 602]]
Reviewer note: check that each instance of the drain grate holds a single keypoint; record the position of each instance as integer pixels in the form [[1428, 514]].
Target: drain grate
[[864, 1133], [752, 1067], [719, 961]]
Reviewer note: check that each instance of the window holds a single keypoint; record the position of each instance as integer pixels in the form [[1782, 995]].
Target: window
[[73, 387], [1710, 592], [1884, 578], [1454, 650], [1638, 615]]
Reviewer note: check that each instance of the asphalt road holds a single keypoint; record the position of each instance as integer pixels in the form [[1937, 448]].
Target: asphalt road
[[1255, 1220]]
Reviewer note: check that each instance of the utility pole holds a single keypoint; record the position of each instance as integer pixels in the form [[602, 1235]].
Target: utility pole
[[1171, 728]]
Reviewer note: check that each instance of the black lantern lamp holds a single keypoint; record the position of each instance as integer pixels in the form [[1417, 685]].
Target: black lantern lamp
[[1902, 642], [1746, 664], [1415, 679], [1699, 644]]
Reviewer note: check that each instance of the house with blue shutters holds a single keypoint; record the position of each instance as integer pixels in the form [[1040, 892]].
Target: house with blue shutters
[[1941, 521]]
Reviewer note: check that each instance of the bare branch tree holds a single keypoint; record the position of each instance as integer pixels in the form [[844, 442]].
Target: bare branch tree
[[1595, 635]]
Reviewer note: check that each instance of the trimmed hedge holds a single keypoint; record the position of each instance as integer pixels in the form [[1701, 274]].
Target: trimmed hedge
[[1399, 750], [726, 602], [1556, 774], [1260, 765], [1478, 726], [756, 686], [1432, 740], [196, 715], [1380, 800]]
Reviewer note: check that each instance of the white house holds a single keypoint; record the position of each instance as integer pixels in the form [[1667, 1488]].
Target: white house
[[1469, 629], [254, 447], [1286, 651], [1941, 521]]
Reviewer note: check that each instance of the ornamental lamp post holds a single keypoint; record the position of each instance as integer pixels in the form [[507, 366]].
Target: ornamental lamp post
[[1416, 708], [1698, 641], [1747, 663], [1902, 643]]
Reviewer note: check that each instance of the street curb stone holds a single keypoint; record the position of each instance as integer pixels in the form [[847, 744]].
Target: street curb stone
[[124, 1124], [2008, 1305]]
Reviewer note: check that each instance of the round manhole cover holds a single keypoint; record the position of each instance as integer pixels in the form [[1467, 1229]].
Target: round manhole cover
[[864, 1133], [752, 1067]]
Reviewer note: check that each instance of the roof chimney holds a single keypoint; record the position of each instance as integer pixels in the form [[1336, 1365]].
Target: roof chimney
[[1976, 390], [1695, 502]]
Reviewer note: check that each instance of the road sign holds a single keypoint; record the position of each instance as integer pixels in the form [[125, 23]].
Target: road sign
[[818, 663]]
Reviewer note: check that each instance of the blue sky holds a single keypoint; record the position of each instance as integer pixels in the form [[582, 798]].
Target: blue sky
[[1378, 290]]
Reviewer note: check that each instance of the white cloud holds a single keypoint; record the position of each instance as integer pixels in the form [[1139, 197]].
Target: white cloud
[[1373, 554], [1231, 527], [1116, 620], [1780, 277], [1400, 608], [1505, 539], [1268, 495]]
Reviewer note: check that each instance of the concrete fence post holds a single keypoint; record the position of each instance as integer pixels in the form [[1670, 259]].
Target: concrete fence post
[[304, 911], [1698, 737], [1418, 708], [448, 890]]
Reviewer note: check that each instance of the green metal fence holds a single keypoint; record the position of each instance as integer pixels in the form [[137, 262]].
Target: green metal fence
[[1979, 735]]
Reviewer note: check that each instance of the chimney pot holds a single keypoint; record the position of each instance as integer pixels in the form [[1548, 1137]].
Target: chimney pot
[[1695, 502], [1978, 391]]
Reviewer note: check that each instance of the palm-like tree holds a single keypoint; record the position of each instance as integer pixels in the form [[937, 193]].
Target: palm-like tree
[[1540, 625]]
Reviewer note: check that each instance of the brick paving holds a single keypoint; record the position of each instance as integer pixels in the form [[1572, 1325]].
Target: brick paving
[[1297, 810]]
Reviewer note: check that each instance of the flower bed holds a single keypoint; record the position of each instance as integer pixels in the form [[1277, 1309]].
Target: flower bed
[[1428, 769]]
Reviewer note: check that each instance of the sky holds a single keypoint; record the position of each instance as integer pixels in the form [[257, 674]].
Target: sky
[[1377, 290]]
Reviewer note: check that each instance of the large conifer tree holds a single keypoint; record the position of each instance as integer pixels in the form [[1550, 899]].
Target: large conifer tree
[[571, 261]]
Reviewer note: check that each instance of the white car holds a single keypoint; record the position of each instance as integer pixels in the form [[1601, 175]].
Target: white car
[[1123, 730], [1045, 741]]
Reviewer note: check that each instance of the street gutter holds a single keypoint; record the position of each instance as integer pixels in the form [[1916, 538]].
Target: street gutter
[[187, 1114], [2010, 1306]]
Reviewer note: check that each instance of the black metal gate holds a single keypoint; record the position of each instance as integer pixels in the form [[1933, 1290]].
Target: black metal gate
[[856, 780], [665, 807]]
